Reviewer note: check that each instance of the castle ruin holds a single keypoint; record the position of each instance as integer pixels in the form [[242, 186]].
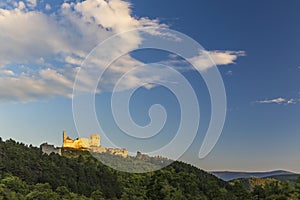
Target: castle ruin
[[91, 144], [48, 149], [81, 143]]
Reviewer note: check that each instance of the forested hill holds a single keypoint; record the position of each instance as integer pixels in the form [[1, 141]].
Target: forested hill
[[26, 173]]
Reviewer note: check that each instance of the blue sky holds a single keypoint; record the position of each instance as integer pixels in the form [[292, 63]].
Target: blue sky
[[254, 43]]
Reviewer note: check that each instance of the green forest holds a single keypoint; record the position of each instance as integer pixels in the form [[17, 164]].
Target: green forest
[[26, 173]]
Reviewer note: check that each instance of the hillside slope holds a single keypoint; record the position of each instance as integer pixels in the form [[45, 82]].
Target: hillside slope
[[82, 176]]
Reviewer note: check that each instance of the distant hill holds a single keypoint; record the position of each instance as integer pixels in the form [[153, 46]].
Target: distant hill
[[229, 175]]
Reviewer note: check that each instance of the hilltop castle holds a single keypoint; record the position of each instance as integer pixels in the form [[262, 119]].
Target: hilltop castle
[[91, 144], [81, 143]]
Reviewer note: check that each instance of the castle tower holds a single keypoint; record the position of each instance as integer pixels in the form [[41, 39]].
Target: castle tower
[[64, 136], [95, 140]]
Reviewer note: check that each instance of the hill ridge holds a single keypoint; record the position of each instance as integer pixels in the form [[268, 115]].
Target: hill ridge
[[85, 177], [231, 175]]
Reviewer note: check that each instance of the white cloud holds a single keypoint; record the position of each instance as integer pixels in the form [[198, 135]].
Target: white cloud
[[20, 5], [207, 59], [6, 72], [279, 100], [31, 3], [48, 7], [229, 73], [291, 101], [27, 36], [34, 39], [55, 77], [28, 88], [73, 61], [149, 86], [225, 57], [114, 14]]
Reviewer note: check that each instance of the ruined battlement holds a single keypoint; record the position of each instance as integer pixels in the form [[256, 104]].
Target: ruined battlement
[[81, 143], [91, 144]]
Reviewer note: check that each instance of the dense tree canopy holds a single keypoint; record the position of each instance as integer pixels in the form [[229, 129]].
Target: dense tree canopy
[[27, 173]]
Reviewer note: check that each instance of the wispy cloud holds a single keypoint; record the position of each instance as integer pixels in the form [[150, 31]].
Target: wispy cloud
[[31, 3], [6, 72], [291, 101], [229, 73], [279, 100], [48, 7], [207, 59]]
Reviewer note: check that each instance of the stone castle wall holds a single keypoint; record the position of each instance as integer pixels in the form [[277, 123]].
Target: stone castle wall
[[92, 144], [48, 149], [81, 143]]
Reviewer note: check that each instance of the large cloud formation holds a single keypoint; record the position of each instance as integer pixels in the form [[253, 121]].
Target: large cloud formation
[[40, 53]]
